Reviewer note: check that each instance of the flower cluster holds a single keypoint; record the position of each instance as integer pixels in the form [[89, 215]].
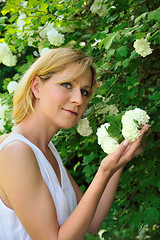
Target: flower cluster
[[6, 56], [44, 50], [3, 109], [98, 7], [12, 87], [110, 109], [107, 143], [142, 47], [51, 34], [84, 128], [131, 121]]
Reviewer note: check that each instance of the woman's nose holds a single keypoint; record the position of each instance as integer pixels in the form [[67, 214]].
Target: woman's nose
[[76, 96]]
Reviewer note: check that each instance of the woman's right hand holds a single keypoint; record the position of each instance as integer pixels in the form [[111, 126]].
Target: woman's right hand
[[124, 153]]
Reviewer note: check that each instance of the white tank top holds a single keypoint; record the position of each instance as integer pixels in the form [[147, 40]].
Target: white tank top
[[63, 195]]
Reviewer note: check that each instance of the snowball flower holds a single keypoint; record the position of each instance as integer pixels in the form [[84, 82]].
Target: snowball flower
[[44, 50], [3, 108], [130, 129], [142, 47], [83, 127], [2, 123], [99, 8], [55, 38], [107, 143], [44, 29], [12, 87], [110, 109], [6, 56], [82, 44]]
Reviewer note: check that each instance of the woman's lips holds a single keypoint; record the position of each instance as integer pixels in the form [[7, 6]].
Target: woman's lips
[[71, 112]]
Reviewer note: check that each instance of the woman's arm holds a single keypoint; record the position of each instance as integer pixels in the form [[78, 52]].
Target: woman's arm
[[108, 195], [105, 202], [21, 180]]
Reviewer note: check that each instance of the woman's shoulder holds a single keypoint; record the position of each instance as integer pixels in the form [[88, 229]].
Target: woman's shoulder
[[17, 158], [14, 148]]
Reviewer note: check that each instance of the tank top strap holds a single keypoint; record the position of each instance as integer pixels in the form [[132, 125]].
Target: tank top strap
[[15, 136]]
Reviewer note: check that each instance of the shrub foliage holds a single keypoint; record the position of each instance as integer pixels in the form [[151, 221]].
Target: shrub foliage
[[105, 30]]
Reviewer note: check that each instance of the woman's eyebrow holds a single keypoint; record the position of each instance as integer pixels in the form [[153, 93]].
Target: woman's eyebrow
[[87, 86]]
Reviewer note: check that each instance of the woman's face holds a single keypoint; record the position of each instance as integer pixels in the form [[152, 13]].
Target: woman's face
[[63, 104]]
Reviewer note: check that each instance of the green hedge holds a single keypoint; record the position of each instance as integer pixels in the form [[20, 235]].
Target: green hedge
[[107, 31]]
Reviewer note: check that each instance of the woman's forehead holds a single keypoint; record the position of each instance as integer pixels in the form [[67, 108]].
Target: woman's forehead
[[74, 72]]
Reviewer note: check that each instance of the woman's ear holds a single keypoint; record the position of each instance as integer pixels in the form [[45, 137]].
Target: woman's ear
[[35, 86]]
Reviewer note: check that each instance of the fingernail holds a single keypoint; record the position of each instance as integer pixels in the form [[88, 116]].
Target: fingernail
[[125, 143], [146, 129]]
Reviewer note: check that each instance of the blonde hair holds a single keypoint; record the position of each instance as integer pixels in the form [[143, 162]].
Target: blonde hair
[[50, 63]]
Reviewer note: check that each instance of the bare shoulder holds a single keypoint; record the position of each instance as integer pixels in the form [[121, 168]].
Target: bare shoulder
[[17, 159]]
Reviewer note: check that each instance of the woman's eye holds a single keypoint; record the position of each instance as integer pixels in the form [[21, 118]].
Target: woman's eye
[[66, 85], [85, 92]]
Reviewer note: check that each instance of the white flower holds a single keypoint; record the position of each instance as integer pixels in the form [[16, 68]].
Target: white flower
[[41, 45], [97, 41], [55, 38], [100, 234], [107, 143], [82, 44], [20, 21], [83, 127], [2, 123], [6, 56], [110, 109], [3, 108], [142, 47], [98, 7], [44, 50], [12, 87], [9, 60], [130, 129], [44, 29]]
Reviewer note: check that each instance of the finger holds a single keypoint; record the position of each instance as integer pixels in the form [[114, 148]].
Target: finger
[[133, 147], [121, 149], [148, 132], [140, 149]]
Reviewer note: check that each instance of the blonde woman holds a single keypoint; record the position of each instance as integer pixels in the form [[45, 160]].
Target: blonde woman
[[39, 199]]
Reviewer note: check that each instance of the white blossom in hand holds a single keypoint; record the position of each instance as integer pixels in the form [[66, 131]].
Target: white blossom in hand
[[84, 128], [12, 87], [107, 143], [142, 47], [131, 121]]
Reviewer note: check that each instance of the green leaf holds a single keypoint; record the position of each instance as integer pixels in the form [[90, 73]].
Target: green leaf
[[75, 166], [43, 7], [122, 51], [142, 16], [158, 185], [33, 3], [155, 15], [155, 96], [151, 215], [136, 219], [110, 53], [89, 158], [115, 128], [9, 8], [108, 41]]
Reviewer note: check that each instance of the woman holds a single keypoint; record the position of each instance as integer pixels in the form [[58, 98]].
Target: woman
[[38, 197]]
